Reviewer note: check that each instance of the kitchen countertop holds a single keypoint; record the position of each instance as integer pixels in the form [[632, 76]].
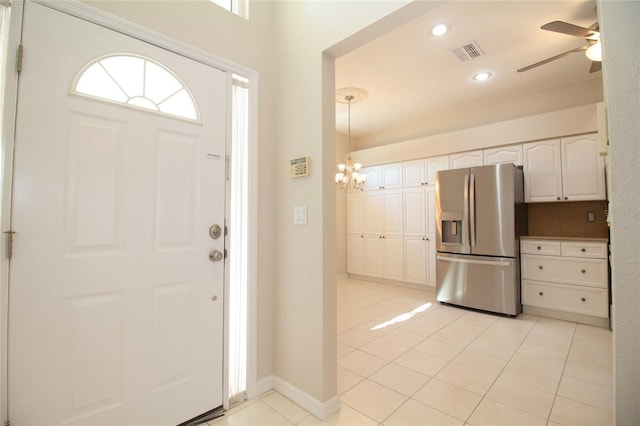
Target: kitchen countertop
[[534, 237]]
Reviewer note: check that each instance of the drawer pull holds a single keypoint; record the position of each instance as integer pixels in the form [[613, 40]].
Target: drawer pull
[[584, 271], [540, 267], [539, 248], [583, 299], [583, 249], [541, 294]]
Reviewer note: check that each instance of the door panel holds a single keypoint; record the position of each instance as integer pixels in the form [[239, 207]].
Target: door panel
[[494, 210], [111, 314]]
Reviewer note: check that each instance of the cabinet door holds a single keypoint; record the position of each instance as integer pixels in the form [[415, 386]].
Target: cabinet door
[[466, 159], [433, 165], [413, 173], [374, 177], [542, 171], [393, 258], [392, 176], [431, 212], [393, 218], [415, 212], [355, 213], [373, 206], [415, 260], [374, 258], [582, 169], [504, 154], [355, 254]]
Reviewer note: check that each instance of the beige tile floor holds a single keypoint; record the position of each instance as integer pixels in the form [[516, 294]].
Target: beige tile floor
[[404, 359]]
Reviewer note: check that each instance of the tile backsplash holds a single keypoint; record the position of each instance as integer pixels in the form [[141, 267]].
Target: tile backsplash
[[568, 219]]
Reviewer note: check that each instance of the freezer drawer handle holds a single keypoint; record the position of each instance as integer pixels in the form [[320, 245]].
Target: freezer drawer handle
[[476, 262]]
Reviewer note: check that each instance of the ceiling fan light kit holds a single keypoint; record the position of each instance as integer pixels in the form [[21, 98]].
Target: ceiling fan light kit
[[591, 35]]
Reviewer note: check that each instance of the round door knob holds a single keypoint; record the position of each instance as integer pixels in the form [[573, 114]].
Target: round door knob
[[584, 271], [539, 248], [541, 294], [583, 299], [540, 267], [214, 298]]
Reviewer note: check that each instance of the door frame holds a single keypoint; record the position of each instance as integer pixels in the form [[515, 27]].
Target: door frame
[[11, 83]]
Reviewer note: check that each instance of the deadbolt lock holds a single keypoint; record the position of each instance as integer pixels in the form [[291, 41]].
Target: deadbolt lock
[[215, 231], [215, 256]]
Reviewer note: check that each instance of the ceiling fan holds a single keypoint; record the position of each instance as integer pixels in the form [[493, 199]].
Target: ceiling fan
[[592, 49]]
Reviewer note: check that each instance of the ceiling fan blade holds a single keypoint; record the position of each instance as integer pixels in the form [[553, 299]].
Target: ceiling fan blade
[[595, 67], [567, 28], [553, 58]]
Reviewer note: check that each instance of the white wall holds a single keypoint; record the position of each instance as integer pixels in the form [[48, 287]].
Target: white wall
[[621, 73]]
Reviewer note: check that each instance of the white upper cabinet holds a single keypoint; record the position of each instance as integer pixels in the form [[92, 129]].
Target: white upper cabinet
[[503, 154], [542, 171], [582, 169], [434, 165], [466, 159], [413, 173], [423, 172], [387, 176], [568, 169]]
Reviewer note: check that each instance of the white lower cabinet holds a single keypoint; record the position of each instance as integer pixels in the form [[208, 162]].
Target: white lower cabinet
[[375, 256], [569, 276]]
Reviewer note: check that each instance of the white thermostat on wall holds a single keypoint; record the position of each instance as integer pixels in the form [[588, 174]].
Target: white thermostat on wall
[[299, 167]]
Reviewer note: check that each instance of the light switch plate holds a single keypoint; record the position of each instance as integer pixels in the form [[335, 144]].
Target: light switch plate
[[299, 215]]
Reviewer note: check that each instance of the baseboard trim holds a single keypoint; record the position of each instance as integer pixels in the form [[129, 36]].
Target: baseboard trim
[[263, 386], [321, 410], [342, 276]]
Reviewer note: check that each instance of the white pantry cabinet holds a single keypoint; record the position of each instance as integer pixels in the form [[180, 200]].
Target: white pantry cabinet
[[423, 172], [386, 176], [374, 234], [419, 235], [567, 169], [466, 159]]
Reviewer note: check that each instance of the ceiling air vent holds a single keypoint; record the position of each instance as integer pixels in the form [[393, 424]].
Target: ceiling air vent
[[467, 52]]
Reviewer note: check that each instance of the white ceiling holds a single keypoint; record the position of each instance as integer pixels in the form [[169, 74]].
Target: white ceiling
[[418, 87]]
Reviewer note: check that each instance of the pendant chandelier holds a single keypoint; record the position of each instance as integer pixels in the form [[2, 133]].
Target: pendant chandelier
[[349, 174]]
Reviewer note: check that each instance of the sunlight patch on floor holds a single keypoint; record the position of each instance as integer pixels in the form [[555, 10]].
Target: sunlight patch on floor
[[402, 317]]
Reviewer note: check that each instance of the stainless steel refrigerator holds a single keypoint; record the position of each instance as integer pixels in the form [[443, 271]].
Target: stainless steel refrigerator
[[480, 214]]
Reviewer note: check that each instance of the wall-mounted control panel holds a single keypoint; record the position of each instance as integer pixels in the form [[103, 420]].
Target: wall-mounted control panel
[[299, 167]]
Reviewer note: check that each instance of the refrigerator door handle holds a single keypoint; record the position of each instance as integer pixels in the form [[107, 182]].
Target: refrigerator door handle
[[466, 248], [475, 262], [472, 209]]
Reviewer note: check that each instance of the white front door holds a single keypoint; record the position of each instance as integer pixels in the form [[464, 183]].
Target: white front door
[[116, 310]]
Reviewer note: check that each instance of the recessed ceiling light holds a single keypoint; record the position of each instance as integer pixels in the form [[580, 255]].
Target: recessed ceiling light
[[482, 76], [440, 29]]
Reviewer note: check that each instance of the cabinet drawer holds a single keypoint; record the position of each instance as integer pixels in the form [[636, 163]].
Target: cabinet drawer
[[565, 270], [578, 249], [570, 298], [550, 248]]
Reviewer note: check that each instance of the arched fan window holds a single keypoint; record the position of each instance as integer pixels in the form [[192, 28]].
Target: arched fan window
[[139, 82]]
